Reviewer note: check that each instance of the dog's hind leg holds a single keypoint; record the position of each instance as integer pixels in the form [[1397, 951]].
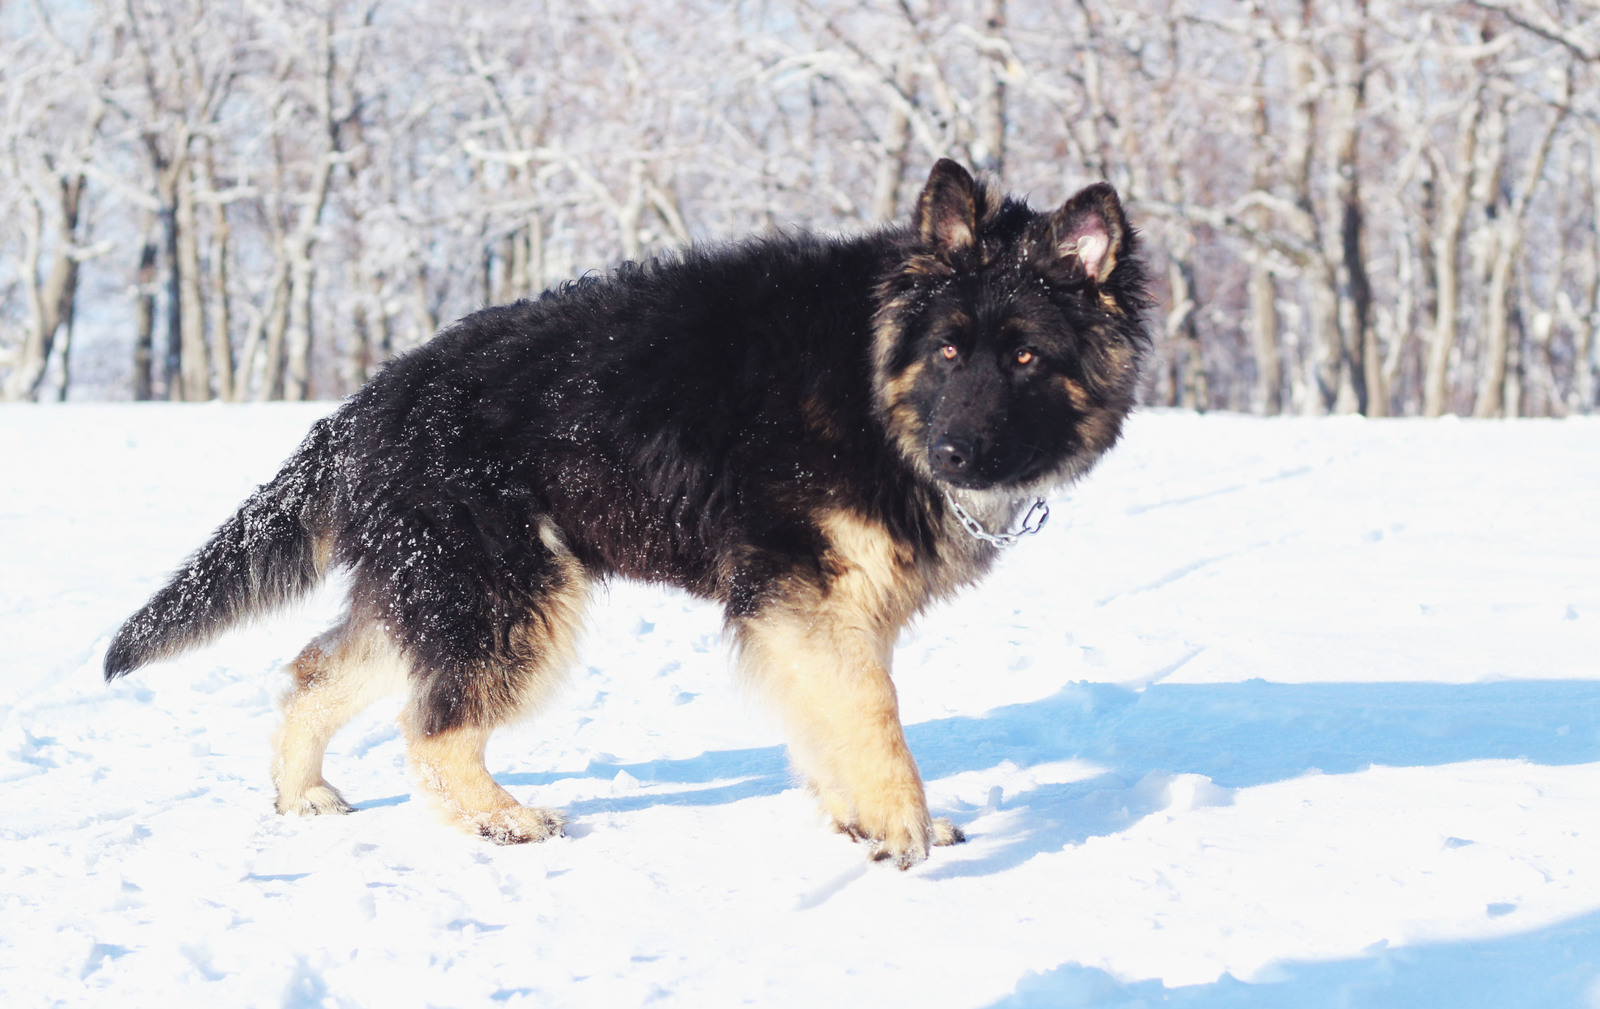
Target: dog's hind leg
[[450, 768], [452, 713], [335, 677]]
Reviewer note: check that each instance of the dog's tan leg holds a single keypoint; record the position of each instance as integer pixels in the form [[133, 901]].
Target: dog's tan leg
[[450, 769], [831, 685], [335, 677]]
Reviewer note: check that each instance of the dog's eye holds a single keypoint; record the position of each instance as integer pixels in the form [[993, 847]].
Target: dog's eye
[[1025, 356], [950, 352]]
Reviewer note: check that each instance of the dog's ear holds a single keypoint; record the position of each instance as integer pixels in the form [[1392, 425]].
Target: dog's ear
[[947, 210], [1091, 227]]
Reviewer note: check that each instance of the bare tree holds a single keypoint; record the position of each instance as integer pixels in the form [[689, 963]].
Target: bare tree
[[1504, 231], [1337, 198], [52, 120]]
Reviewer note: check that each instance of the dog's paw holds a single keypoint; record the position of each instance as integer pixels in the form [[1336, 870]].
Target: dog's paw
[[318, 800], [907, 847], [946, 832], [902, 842], [851, 830], [519, 824], [901, 848]]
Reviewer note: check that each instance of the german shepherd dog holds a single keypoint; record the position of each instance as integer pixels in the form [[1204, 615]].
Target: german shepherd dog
[[820, 434]]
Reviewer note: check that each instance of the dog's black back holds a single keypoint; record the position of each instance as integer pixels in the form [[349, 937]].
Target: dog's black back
[[661, 416]]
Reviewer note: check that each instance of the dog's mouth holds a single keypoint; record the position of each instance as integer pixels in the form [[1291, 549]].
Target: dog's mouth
[[970, 465]]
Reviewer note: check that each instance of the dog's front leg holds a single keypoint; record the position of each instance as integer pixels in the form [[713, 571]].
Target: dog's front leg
[[831, 685]]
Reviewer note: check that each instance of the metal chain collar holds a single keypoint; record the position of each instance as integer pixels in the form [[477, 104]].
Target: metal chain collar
[[1028, 527]]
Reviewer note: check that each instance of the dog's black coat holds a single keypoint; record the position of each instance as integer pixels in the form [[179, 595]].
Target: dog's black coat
[[686, 421]]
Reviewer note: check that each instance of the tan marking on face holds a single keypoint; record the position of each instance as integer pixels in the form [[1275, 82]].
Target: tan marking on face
[[900, 417], [1109, 303], [907, 429], [886, 332], [1077, 394], [896, 389], [1119, 356]]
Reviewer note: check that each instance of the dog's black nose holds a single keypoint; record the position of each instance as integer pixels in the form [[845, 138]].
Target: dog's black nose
[[952, 457]]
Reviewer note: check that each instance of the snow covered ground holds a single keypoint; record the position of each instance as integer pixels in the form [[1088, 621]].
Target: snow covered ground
[[1274, 713]]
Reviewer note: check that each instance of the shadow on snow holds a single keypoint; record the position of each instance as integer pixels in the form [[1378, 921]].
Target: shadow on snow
[[1557, 967], [1236, 734], [1240, 735]]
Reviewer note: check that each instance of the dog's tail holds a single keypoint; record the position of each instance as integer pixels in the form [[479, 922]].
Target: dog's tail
[[273, 550]]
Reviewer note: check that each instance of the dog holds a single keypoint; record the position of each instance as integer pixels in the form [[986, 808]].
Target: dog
[[823, 435]]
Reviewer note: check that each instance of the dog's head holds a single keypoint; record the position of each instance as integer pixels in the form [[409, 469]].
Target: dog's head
[[1007, 342]]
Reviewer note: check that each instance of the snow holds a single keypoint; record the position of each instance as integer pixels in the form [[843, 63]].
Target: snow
[[1274, 712]]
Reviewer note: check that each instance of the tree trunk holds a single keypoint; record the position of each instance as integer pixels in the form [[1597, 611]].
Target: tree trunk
[[1586, 370], [1263, 289], [535, 268], [52, 301], [1361, 378], [172, 373], [66, 351], [1445, 253], [989, 153], [302, 277], [196, 364], [297, 335], [1264, 340], [1325, 373], [221, 302], [1399, 321], [1323, 364], [891, 167], [257, 333], [145, 316], [1496, 330], [1190, 387], [276, 321], [1509, 233], [1088, 125], [358, 348]]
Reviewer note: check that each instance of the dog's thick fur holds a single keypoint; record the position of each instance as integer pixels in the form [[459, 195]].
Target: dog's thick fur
[[778, 425]]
